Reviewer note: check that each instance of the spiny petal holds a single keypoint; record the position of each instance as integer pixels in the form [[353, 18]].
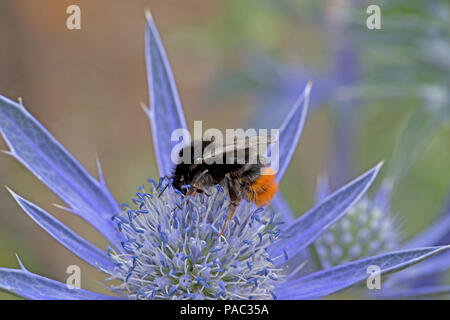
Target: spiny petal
[[291, 130], [334, 279], [32, 145], [32, 286], [165, 112], [77, 245], [424, 270]]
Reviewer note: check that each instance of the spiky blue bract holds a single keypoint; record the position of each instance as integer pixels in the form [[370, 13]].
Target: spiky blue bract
[[28, 285], [77, 245], [289, 135], [173, 250], [424, 270], [334, 279], [33, 146], [291, 130], [164, 111]]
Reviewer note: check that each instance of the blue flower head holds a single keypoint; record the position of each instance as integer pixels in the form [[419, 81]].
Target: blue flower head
[[369, 228], [172, 248], [168, 247]]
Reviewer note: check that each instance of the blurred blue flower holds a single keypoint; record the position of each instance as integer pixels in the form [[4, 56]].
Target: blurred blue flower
[[369, 228], [168, 247]]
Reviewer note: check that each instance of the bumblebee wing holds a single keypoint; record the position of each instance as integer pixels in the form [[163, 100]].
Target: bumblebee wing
[[251, 142]]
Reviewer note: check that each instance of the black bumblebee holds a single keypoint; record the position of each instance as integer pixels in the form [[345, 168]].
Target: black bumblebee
[[236, 167]]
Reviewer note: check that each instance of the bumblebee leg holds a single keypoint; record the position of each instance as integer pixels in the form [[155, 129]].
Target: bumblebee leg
[[234, 201], [191, 191], [196, 179], [194, 190], [199, 190]]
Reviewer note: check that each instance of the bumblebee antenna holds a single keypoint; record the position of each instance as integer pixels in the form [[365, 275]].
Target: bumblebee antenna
[[162, 191], [165, 187]]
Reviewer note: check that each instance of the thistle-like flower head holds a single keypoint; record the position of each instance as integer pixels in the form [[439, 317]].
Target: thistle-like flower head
[[172, 248], [365, 230]]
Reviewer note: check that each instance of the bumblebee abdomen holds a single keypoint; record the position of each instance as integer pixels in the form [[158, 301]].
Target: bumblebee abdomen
[[262, 190]]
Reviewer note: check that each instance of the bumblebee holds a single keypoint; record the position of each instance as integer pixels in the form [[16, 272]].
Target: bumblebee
[[237, 168]]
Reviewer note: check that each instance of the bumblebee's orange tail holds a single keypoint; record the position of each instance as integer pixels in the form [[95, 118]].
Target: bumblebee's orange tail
[[263, 189]]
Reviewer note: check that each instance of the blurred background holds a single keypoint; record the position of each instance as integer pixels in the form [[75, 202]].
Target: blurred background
[[377, 95]]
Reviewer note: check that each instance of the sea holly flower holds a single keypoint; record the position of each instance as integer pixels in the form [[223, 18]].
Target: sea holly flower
[[167, 247], [368, 228]]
